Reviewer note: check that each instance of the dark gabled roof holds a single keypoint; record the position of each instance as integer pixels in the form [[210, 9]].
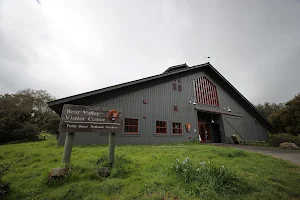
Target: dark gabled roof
[[95, 96]]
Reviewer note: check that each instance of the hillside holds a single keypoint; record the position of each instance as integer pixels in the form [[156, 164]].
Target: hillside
[[182, 171]]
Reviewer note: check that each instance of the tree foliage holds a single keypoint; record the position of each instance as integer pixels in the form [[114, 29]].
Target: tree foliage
[[285, 118], [24, 114], [268, 108]]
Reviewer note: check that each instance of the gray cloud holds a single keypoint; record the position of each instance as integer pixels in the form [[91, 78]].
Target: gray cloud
[[69, 47]]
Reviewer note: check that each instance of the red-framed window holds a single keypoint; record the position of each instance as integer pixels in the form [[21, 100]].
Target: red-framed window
[[176, 128], [205, 91], [161, 127], [131, 125]]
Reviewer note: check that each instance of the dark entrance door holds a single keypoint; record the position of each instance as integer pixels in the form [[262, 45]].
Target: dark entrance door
[[204, 132], [207, 133], [216, 133]]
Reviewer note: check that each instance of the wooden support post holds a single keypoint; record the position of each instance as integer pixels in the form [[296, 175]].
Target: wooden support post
[[111, 148], [68, 148]]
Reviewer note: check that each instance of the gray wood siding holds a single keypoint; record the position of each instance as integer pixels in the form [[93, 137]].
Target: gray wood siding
[[161, 99]]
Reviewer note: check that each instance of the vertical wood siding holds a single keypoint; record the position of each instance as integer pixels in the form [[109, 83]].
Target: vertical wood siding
[[161, 100]]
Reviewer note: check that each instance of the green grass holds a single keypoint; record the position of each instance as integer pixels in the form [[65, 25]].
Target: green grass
[[148, 172]]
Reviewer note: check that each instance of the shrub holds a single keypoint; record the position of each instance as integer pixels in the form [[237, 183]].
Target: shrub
[[276, 139], [209, 180]]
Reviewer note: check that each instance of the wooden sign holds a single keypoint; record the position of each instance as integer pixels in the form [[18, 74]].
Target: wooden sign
[[75, 118]]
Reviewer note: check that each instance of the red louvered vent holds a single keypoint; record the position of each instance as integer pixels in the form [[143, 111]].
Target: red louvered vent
[[205, 92]]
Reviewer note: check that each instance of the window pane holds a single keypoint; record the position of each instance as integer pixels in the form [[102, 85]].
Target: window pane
[[126, 121], [157, 130], [157, 123], [136, 122], [179, 80], [163, 124], [130, 129], [126, 129], [135, 129]]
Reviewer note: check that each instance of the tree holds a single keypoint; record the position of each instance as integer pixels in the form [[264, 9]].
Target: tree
[[291, 116], [268, 108], [285, 118], [24, 114]]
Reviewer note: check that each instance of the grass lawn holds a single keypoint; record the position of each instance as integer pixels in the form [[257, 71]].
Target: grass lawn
[[149, 172]]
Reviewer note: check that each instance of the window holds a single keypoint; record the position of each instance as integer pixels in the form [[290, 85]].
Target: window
[[161, 127], [179, 88], [175, 83], [174, 86], [131, 125], [177, 129], [205, 92], [176, 108]]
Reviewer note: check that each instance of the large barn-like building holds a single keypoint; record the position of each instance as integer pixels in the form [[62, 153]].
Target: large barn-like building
[[176, 106]]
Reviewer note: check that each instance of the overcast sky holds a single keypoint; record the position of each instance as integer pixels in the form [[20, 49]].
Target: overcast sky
[[68, 47]]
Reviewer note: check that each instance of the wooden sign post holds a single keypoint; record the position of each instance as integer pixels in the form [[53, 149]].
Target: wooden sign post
[[68, 148], [111, 148], [82, 119]]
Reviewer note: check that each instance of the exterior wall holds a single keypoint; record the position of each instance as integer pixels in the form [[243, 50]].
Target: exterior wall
[[252, 130], [161, 99]]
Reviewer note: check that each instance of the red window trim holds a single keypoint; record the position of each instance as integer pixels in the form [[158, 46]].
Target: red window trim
[[205, 92], [176, 128], [131, 125], [161, 127]]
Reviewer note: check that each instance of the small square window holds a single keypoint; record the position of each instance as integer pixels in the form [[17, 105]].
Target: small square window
[[131, 126], [177, 129], [179, 88], [161, 127], [176, 108], [174, 86]]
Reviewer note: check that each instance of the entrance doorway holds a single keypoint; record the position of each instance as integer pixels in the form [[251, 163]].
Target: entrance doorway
[[204, 132], [216, 133]]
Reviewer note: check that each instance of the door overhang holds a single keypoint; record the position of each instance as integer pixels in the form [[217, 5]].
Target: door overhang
[[215, 111]]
